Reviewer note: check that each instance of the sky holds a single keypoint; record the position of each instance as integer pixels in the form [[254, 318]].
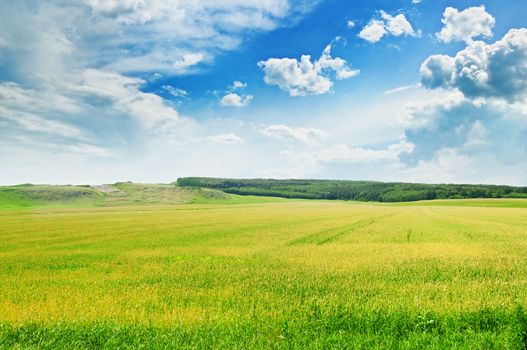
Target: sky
[[99, 91]]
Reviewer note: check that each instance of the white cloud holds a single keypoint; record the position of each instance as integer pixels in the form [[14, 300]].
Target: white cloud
[[301, 78], [465, 140], [377, 28], [447, 166], [477, 136], [373, 31], [483, 70], [76, 92], [302, 164], [400, 89], [123, 94], [68, 71], [350, 24], [423, 113], [13, 95], [452, 166], [466, 25], [30, 113], [343, 153], [470, 141], [175, 37], [397, 25], [188, 60], [337, 64], [89, 150], [34, 123], [234, 100], [176, 92], [305, 135], [77, 108], [229, 14], [437, 71], [238, 85], [228, 139]]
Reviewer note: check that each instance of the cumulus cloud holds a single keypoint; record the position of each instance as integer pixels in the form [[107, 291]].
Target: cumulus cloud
[[373, 31], [465, 140], [477, 132], [437, 71], [466, 25], [283, 132], [377, 28], [481, 70], [238, 85], [234, 100], [397, 25], [304, 77]]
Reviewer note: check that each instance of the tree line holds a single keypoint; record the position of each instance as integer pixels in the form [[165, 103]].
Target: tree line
[[353, 190]]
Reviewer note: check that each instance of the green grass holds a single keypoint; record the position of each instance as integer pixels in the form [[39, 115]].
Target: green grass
[[286, 274], [208, 196], [503, 203]]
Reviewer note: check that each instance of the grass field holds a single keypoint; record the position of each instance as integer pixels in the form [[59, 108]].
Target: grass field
[[283, 274]]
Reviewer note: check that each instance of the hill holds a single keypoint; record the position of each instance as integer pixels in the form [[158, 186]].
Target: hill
[[118, 194], [198, 190]]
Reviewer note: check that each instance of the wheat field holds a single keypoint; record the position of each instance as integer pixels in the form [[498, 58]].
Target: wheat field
[[299, 274]]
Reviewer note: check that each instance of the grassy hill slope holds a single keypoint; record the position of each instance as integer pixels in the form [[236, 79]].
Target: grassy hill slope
[[118, 194]]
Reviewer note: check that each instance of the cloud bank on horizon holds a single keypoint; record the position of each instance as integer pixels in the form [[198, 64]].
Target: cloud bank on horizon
[[145, 90]]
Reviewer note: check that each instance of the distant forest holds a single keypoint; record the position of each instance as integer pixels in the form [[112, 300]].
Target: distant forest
[[353, 190]]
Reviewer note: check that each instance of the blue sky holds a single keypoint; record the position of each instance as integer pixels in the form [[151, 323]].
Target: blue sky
[[95, 91]]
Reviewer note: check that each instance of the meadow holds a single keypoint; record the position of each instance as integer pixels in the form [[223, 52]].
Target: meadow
[[246, 272]]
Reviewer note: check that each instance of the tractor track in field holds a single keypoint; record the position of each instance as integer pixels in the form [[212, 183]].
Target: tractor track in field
[[334, 234]]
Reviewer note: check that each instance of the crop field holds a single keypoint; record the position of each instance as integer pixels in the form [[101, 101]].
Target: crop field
[[282, 274]]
